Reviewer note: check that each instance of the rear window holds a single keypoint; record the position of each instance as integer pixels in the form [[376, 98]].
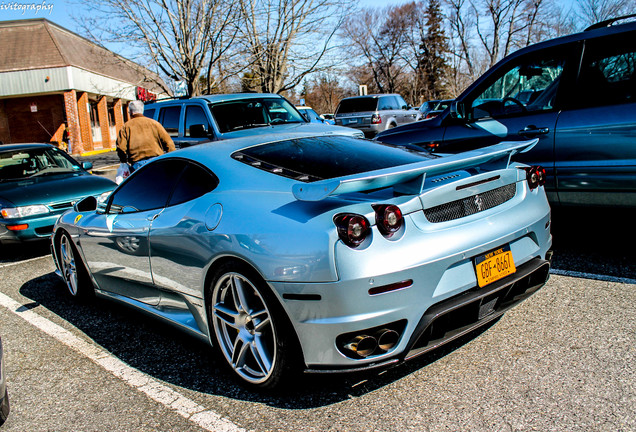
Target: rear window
[[318, 158], [357, 105]]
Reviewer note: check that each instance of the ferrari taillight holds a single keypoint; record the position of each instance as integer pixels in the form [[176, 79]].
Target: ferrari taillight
[[389, 219], [535, 176], [353, 229]]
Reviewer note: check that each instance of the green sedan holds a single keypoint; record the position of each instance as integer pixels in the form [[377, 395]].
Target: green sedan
[[38, 183]]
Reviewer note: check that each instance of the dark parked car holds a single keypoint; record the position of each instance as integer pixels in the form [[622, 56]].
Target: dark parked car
[[577, 94], [39, 182], [374, 113]]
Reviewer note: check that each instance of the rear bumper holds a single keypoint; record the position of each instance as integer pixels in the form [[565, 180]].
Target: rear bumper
[[454, 317], [459, 315]]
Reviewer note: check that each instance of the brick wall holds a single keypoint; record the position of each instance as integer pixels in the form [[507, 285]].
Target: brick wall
[[72, 123], [102, 114], [26, 125], [85, 123]]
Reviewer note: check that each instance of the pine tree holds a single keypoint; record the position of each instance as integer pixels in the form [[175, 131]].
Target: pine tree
[[433, 48]]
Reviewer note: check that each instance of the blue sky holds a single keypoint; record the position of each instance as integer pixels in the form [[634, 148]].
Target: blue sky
[[61, 11]]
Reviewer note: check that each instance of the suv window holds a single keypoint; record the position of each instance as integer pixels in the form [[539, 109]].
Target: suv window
[[150, 113], [169, 118], [148, 189], [608, 72], [250, 113], [387, 103], [401, 103], [529, 84], [195, 115], [357, 105]]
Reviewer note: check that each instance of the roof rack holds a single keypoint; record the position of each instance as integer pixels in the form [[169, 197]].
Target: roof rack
[[609, 22]]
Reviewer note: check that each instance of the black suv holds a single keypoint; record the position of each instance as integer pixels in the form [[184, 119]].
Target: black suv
[[576, 94]]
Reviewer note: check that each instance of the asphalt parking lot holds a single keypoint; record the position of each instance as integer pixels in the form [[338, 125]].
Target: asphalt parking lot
[[564, 360]]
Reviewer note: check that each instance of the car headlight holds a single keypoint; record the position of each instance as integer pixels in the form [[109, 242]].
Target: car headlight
[[20, 212]]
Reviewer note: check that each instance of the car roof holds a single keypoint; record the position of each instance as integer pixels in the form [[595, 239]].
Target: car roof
[[375, 95], [9, 147], [576, 37], [221, 97]]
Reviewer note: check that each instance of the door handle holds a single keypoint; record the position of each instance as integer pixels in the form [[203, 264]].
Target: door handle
[[531, 131]]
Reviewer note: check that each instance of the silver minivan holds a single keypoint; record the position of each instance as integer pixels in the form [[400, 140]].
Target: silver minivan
[[374, 113]]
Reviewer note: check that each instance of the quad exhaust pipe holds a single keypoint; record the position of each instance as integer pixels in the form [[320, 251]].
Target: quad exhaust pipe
[[365, 345]]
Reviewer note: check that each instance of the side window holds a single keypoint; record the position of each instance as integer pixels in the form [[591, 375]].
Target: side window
[[400, 102], [530, 84], [150, 113], [148, 189], [195, 115], [195, 182], [385, 103], [608, 72], [169, 118]]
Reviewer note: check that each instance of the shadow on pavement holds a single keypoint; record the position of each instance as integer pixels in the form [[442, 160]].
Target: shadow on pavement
[[595, 241], [164, 353]]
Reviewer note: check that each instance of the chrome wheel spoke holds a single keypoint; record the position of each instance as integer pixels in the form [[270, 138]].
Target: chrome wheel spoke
[[261, 355], [226, 315], [239, 294], [239, 352]]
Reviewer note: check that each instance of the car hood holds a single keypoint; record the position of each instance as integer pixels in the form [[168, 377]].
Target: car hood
[[310, 128], [53, 188]]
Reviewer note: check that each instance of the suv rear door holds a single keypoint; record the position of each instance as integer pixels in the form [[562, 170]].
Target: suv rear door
[[596, 132]]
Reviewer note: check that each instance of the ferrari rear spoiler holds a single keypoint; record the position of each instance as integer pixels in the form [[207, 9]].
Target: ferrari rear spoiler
[[411, 177]]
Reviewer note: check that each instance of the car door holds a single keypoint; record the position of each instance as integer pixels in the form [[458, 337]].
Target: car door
[[180, 249], [197, 127], [596, 133], [494, 114], [116, 247]]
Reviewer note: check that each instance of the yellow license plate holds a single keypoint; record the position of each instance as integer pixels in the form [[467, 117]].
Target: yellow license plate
[[494, 265]]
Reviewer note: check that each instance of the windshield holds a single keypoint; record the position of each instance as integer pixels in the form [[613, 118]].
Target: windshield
[[20, 164], [358, 104], [317, 158], [251, 113]]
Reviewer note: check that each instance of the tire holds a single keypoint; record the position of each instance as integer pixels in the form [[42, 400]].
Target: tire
[[73, 269], [390, 126], [248, 325], [4, 408]]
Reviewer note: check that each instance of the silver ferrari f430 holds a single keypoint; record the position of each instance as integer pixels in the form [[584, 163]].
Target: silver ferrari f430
[[315, 253]]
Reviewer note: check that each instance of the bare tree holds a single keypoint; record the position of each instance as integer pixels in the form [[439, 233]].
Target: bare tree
[[589, 12], [182, 38], [482, 32], [286, 40], [383, 39]]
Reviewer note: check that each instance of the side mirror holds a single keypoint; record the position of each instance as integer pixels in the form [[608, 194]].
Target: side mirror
[[85, 205], [198, 131], [457, 110], [87, 165]]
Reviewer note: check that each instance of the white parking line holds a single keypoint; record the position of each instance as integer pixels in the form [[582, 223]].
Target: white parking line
[[155, 390], [24, 261]]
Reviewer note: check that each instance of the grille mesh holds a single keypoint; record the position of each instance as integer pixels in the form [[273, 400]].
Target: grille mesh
[[470, 205]]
